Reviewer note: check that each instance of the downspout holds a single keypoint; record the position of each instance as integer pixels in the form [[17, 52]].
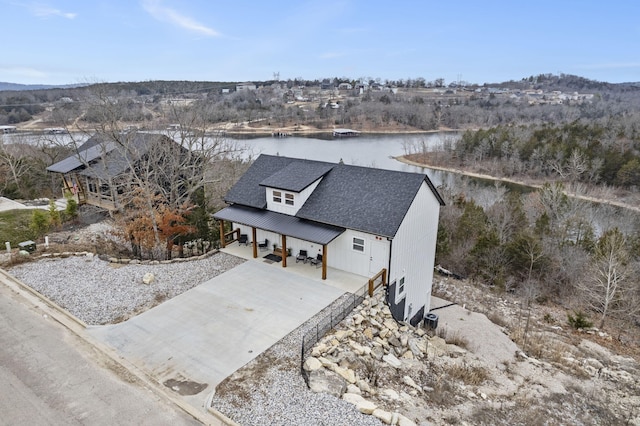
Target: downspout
[[389, 271]]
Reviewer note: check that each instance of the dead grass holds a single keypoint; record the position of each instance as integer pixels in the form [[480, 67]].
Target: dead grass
[[453, 338], [472, 375]]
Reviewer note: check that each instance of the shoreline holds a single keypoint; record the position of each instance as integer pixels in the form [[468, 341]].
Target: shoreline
[[324, 133], [405, 160]]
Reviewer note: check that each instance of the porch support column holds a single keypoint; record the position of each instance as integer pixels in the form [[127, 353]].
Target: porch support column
[[222, 242], [324, 261], [253, 242], [284, 251]]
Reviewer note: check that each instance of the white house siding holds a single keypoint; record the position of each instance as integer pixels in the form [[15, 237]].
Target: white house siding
[[273, 237], [413, 251], [294, 244], [299, 198], [341, 255]]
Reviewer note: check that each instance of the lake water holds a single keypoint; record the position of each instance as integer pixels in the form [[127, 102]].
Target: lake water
[[378, 151], [369, 151]]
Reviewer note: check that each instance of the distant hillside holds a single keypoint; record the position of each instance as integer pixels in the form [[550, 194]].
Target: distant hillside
[[568, 83], [20, 87]]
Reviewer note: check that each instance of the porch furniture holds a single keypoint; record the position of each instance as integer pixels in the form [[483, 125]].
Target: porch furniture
[[263, 245], [302, 256], [316, 261], [244, 239]]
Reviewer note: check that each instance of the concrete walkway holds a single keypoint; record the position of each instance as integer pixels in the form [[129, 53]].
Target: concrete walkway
[[199, 338]]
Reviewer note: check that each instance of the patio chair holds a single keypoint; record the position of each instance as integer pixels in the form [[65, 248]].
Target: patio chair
[[317, 261], [302, 256], [263, 245], [244, 239]]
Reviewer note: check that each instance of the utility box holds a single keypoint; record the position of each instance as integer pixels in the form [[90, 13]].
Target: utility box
[[431, 321], [29, 246]]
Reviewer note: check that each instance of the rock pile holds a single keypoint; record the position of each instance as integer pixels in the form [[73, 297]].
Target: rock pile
[[370, 362]]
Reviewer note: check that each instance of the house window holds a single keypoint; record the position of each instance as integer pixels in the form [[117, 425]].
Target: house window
[[277, 196], [401, 286], [288, 199], [358, 244]]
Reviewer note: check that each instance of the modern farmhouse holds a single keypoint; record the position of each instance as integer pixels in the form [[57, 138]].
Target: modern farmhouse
[[356, 219]]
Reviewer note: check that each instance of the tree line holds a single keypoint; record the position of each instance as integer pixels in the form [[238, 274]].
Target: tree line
[[543, 246]]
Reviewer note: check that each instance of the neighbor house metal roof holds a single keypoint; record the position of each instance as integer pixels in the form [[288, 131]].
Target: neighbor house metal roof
[[279, 223], [85, 154], [103, 157]]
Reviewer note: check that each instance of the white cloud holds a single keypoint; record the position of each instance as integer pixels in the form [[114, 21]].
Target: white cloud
[[22, 72], [166, 14], [44, 11]]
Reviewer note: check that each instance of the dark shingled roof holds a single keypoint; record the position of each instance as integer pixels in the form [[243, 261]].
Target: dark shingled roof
[[298, 175], [360, 198], [247, 191]]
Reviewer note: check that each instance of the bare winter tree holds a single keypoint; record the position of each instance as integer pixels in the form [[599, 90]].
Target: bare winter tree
[[607, 289], [158, 174], [13, 164]]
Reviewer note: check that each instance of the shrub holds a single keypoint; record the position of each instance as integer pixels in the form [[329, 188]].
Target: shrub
[[40, 222], [579, 320], [72, 209], [54, 215]]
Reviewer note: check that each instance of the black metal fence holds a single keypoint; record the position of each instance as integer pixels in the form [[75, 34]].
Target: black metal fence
[[328, 322]]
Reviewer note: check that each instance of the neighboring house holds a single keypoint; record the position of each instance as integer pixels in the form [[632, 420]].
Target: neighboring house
[[97, 173], [359, 219], [327, 84], [345, 86], [245, 86]]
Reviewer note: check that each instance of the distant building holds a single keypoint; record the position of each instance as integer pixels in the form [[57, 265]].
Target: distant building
[[245, 86], [326, 84], [7, 129]]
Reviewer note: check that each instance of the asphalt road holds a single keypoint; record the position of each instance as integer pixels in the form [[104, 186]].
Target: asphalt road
[[49, 376]]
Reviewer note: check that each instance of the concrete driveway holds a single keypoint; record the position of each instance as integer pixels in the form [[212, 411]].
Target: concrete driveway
[[200, 337]]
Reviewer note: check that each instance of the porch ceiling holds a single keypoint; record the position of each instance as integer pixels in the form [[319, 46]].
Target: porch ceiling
[[282, 224]]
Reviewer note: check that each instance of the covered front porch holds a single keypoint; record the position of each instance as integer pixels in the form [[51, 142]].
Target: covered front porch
[[336, 278], [260, 230]]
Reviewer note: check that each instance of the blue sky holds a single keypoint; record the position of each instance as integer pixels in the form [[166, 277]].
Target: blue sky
[[73, 41]]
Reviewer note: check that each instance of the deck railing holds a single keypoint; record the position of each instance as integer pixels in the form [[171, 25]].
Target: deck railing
[[381, 277]]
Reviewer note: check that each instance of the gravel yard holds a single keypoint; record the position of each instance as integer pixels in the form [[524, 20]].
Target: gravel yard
[[270, 390], [99, 292]]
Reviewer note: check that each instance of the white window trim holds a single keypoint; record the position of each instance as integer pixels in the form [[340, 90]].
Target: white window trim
[[401, 289], [289, 199], [277, 198], [355, 244]]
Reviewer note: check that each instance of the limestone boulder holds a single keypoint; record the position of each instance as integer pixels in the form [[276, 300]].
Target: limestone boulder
[[384, 416], [346, 373], [325, 381], [364, 406], [392, 360], [148, 278], [312, 364]]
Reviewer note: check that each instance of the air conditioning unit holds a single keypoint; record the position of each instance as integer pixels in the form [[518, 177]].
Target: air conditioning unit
[[431, 321]]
